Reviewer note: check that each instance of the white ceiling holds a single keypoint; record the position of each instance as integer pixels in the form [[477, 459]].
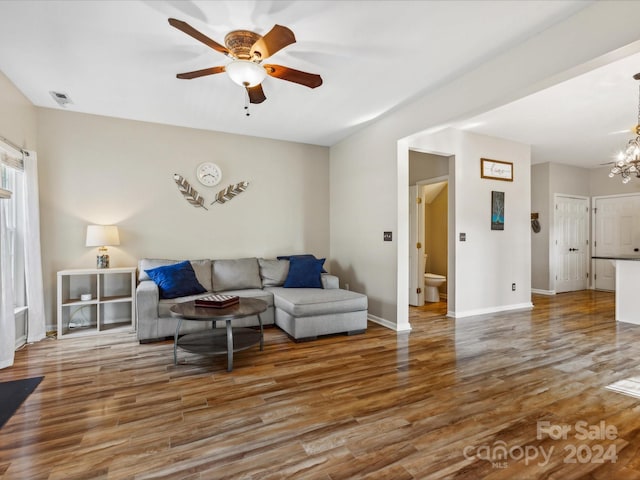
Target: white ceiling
[[584, 121], [120, 58]]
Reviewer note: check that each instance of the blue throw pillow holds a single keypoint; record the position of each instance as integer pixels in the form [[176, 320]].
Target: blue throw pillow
[[177, 280], [306, 255], [304, 272]]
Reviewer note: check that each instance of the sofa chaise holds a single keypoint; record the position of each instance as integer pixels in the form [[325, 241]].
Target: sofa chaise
[[304, 312]]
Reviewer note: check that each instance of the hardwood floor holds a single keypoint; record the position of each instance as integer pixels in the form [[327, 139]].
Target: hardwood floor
[[439, 402]]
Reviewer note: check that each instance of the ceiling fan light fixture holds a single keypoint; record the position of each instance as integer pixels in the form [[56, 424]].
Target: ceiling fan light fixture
[[246, 73], [247, 49]]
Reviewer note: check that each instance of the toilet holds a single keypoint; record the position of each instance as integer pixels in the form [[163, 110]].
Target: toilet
[[431, 284]]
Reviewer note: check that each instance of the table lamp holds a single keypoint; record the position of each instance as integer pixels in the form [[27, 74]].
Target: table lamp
[[102, 236]]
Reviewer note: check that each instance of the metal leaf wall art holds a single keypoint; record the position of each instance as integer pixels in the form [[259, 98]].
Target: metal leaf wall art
[[231, 191], [190, 194]]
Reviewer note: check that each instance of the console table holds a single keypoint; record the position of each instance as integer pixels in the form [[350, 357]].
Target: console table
[[218, 341]]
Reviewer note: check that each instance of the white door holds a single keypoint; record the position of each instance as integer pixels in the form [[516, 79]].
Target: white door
[[617, 232], [416, 249], [571, 243]]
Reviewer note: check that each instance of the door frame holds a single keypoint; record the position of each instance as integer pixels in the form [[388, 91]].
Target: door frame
[[416, 232], [553, 241]]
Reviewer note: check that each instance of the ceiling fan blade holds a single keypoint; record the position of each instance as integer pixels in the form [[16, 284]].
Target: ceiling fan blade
[[275, 39], [201, 37], [256, 94], [310, 80], [201, 73]]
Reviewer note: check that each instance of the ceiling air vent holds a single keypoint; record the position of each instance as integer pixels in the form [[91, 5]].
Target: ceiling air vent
[[61, 98]]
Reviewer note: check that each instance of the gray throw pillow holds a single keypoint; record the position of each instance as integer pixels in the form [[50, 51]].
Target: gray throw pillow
[[273, 272], [239, 274], [203, 272]]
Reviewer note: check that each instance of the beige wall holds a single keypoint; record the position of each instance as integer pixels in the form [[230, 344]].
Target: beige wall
[[108, 171], [17, 116], [426, 165], [540, 241], [568, 180], [601, 185]]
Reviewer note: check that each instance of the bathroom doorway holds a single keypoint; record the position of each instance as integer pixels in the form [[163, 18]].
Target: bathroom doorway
[[434, 194], [428, 230]]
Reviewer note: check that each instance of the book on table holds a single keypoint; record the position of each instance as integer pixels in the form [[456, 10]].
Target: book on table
[[218, 301]]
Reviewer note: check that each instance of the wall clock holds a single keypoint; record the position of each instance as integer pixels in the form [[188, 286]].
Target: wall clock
[[209, 174]]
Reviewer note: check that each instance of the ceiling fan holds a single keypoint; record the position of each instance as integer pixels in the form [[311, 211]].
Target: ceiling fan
[[248, 50]]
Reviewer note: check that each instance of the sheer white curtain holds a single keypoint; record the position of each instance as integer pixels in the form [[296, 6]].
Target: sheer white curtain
[[32, 255], [7, 317], [29, 227]]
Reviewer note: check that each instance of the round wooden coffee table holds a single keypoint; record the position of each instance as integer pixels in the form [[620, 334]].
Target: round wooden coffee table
[[215, 342]]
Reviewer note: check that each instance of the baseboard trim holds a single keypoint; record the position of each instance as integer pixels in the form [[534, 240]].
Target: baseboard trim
[[543, 292], [20, 341], [485, 311], [388, 324]]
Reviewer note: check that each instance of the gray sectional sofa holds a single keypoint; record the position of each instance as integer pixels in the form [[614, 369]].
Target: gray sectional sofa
[[303, 313]]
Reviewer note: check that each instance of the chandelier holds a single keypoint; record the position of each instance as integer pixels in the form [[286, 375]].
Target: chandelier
[[627, 161]]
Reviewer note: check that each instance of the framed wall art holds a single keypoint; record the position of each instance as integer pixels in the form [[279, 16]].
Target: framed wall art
[[497, 210], [496, 169]]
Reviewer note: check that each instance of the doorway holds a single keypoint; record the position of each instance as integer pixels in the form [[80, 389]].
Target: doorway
[[428, 248], [428, 238]]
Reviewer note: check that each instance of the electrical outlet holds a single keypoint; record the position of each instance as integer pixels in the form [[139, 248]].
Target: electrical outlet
[[513, 287]]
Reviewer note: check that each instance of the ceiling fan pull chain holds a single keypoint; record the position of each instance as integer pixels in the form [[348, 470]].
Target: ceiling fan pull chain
[[246, 103]]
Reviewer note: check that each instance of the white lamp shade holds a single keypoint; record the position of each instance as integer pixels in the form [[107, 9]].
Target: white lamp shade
[[102, 235], [245, 73]]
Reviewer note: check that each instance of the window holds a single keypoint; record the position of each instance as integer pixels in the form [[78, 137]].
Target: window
[[5, 182], [11, 179]]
